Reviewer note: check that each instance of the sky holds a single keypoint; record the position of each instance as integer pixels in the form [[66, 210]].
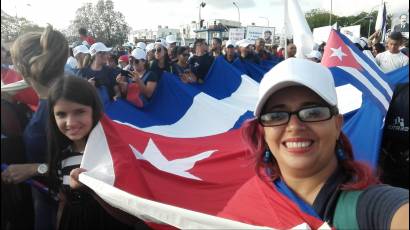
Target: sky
[[148, 14]]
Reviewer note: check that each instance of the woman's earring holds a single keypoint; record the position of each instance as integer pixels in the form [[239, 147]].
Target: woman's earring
[[340, 153], [267, 156]]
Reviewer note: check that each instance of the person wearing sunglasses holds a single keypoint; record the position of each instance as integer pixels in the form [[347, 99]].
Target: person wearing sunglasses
[[140, 88], [181, 67], [161, 60], [306, 171]]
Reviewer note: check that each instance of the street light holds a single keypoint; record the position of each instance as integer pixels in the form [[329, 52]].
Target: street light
[[202, 5], [239, 14], [267, 19]]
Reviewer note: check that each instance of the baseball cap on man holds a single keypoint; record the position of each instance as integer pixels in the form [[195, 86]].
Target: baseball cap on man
[[245, 43], [139, 54], [123, 58], [297, 71], [170, 39], [80, 49], [315, 54], [230, 44], [98, 47]]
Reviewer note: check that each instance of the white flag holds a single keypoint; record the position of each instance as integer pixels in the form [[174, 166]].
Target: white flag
[[302, 35]]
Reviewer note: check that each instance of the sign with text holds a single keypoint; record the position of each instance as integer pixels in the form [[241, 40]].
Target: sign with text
[[236, 34], [255, 32]]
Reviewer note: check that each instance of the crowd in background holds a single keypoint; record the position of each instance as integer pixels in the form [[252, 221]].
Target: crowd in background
[[133, 73]]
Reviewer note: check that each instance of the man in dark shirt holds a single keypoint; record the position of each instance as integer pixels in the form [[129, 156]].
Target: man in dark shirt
[[230, 54], [201, 62], [262, 53]]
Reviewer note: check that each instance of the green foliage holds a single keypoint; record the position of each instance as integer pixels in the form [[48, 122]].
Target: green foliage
[[12, 27], [102, 22], [317, 18]]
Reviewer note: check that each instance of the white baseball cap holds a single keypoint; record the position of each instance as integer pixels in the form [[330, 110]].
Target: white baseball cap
[[230, 43], [141, 45], [244, 43], [80, 49], [297, 71], [149, 47], [315, 54], [170, 39], [161, 42], [98, 47], [139, 54]]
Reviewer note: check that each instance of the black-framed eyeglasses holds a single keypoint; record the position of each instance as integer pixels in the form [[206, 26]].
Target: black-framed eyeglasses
[[310, 114], [185, 54], [158, 50]]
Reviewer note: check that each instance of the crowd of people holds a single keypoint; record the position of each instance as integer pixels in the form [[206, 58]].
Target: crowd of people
[[74, 81]]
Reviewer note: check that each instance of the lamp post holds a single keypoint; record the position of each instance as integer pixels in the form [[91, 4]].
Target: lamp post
[[267, 19], [331, 9], [202, 5], [239, 14]]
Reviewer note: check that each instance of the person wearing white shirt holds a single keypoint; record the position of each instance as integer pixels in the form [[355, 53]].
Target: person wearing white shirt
[[392, 58]]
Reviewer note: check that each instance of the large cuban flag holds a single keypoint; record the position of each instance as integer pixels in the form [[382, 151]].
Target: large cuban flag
[[179, 159], [352, 69]]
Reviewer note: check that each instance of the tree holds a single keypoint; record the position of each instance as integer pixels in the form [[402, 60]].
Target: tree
[[317, 18], [102, 22], [12, 27]]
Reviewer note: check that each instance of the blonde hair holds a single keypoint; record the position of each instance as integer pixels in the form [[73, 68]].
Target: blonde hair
[[40, 57]]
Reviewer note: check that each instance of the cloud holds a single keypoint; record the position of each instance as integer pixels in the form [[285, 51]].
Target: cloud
[[229, 4]]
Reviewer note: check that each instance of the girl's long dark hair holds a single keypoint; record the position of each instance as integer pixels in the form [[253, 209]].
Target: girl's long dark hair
[[72, 89]]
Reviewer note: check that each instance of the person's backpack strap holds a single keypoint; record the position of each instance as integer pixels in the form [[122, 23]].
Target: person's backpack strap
[[345, 214]]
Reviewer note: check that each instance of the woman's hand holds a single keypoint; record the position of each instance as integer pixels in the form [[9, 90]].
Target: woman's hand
[[74, 182], [17, 173], [120, 78]]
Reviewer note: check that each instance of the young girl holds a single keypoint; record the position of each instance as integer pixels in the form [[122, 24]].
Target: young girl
[[74, 110]]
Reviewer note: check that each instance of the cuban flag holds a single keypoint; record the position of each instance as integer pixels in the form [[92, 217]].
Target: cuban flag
[[381, 21], [351, 68], [179, 159]]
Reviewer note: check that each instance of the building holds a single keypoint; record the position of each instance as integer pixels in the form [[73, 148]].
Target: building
[[216, 28], [149, 35]]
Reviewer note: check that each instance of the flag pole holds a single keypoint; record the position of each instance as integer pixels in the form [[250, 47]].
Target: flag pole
[[285, 30]]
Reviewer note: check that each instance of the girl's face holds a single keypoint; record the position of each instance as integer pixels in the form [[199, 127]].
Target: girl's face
[[74, 120]]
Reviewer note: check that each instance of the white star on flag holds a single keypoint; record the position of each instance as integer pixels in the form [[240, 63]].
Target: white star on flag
[[338, 53], [177, 167]]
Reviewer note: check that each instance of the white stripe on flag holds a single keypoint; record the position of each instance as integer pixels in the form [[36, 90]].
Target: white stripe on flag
[[218, 117], [159, 212], [74, 160], [99, 161], [360, 77], [373, 73]]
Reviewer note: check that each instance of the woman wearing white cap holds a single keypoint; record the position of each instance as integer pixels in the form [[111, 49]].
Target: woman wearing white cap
[[82, 54], [99, 74], [141, 87], [306, 172]]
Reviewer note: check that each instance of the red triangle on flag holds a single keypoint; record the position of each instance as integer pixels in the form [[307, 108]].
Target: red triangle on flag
[[337, 53]]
